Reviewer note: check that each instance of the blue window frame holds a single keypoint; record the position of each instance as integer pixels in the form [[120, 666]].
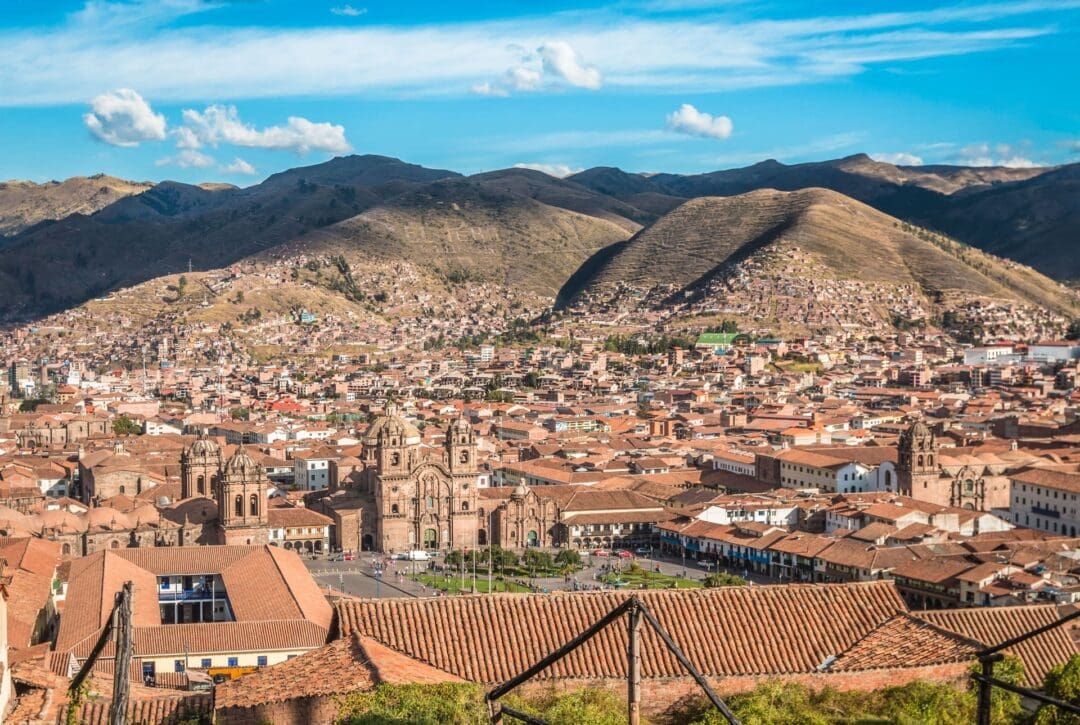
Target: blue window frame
[[262, 661], [205, 663], [178, 665], [233, 661]]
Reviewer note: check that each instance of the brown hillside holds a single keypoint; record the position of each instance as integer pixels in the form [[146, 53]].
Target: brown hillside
[[466, 231], [703, 237], [24, 203]]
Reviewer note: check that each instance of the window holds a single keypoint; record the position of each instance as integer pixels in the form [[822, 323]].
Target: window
[[205, 663], [289, 657], [200, 484], [234, 661], [431, 502], [239, 505], [464, 505], [262, 661], [178, 665], [254, 505], [394, 509]]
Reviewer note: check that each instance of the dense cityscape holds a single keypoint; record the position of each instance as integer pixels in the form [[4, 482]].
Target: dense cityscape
[[587, 362]]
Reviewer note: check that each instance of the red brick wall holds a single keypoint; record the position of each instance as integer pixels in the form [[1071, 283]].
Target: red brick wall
[[302, 711]]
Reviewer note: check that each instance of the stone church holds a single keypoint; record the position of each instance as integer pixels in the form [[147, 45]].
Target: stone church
[[422, 497], [971, 478], [238, 486]]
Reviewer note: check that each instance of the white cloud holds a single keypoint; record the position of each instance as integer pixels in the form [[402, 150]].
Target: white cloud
[[559, 171], [693, 122], [186, 138], [188, 159], [981, 154], [487, 89], [140, 45], [899, 158], [239, 166], [554, 63], [348, 11], [561, 60], [123, 118], [1071, 145], [221, 124], [523, 78]]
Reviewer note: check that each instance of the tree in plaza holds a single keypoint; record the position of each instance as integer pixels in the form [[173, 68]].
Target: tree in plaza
[[503, 558], [538, 560], [723, 579], [568, 558]]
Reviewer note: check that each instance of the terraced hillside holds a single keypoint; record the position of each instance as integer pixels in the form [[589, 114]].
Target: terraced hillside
[[465, 231], [847, 239]]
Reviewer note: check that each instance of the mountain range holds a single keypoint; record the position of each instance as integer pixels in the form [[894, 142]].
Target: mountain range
[[64, 243]]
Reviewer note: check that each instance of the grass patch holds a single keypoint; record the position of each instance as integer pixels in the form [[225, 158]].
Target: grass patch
[[452, 584]]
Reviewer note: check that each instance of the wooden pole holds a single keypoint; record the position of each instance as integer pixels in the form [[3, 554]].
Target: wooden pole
[[122, 662], [633, 665]]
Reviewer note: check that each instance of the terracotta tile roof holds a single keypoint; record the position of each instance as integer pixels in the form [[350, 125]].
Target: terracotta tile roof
[[905, 641], [270, 594], [993, 625], [736, 631], [285, 516], [350, 664]]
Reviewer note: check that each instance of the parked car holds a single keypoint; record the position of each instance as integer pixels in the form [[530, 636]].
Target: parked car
[[624, 554], [401, 556], [643, 550], [706, 564], [336, 557], [419, 555], [600, 552], [349, 556]]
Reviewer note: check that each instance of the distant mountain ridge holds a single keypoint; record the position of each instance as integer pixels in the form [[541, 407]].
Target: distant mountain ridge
[[71, 241], [25, 203]]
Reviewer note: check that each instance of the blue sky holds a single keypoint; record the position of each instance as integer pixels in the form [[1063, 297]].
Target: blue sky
[[200, 90]]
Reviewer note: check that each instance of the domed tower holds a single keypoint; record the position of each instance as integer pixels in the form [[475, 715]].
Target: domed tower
[[460, 449], [242, 498], [200, 467], [916, 461]]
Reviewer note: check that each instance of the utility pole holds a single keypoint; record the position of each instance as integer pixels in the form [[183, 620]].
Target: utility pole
[[122, 663], [633, 664]]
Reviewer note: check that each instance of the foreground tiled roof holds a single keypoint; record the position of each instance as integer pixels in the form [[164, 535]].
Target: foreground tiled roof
[[730, 631], [905, 641], [994, 625], [346, 665], [271, 595]]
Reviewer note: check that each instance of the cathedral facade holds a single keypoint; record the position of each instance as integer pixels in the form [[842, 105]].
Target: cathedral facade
[[423, 497]]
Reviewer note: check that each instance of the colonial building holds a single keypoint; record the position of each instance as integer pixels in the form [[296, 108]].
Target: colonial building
[[239, 488], [424, 497], [970, 478]]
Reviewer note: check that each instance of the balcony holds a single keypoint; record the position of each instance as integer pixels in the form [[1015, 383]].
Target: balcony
[[1040, 511]]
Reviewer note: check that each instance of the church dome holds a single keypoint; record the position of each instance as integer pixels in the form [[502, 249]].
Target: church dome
[[391, 425], [519, 492], [203, 447], [243, 465]]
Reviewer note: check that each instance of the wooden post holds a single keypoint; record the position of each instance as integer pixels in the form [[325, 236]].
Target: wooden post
[[122, 661], [986, 689], [633, 665]]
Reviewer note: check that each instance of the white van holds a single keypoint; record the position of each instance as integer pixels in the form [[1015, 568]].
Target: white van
[[419, 555]]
